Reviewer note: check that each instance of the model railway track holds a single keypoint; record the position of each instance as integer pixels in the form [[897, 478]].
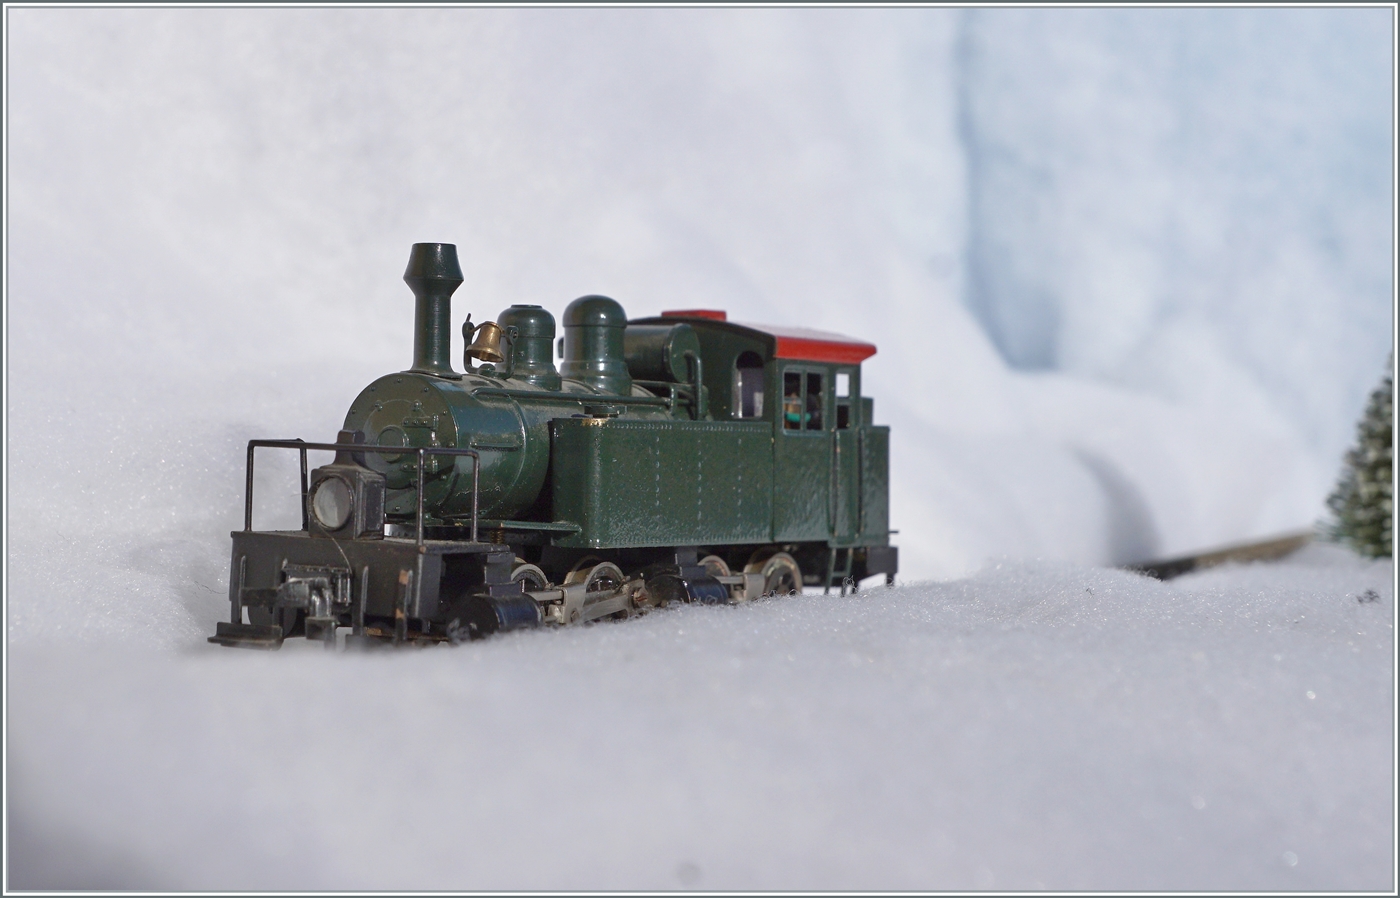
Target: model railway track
[[1264, 550]]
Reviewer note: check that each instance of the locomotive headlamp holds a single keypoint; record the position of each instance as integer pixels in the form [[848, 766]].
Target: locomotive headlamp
[[346, 499], [332, 503]]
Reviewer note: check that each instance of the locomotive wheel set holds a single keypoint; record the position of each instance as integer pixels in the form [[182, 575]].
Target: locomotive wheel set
[[681, 458]]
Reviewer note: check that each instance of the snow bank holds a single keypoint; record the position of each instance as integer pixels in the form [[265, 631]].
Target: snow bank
[[1034, 726]]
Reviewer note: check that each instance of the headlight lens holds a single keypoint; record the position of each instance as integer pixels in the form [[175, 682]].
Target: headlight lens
[[331, 503]]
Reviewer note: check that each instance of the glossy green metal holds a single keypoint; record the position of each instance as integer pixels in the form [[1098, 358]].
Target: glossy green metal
[[433, 275], [507, 421], [875, 485], [658, 351], [736, 441], [831, 483], [592, 461], [593, 351], [533, 350], [663, 483], [845, 486]]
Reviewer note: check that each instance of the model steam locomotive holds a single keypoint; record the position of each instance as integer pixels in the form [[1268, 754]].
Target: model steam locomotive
[[677, 458]]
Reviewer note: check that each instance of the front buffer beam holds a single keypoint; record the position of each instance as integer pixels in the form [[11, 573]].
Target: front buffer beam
[[290, 583]]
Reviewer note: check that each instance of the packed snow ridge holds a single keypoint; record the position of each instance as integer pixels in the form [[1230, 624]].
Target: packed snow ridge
[[1037, 725]]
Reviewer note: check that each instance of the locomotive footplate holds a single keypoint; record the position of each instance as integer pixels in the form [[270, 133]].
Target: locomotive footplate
[[291, 583]]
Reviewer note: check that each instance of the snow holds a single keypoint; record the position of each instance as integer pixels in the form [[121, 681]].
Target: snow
[[1038, 725], [1129, 273]]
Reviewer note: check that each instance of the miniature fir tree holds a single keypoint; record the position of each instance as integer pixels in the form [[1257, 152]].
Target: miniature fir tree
[[1362, 500]]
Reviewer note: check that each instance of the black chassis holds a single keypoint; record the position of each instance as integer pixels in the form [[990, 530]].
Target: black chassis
[[293, 583]]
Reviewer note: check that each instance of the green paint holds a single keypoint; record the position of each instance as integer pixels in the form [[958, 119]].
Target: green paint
[[625, 470], [663, 483]]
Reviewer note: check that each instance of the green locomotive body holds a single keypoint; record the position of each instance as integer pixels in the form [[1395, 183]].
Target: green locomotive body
[[676, 458]]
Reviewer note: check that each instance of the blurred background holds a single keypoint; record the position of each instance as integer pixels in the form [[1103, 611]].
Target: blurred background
[[1129, 271]]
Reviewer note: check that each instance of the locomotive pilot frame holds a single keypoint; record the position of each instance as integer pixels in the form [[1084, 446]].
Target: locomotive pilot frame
[[677, 458]]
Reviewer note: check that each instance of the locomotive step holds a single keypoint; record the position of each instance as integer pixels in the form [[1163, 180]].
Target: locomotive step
[[248, 636]]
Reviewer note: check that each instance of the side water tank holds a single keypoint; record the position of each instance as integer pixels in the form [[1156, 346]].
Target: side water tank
[[593, 335]]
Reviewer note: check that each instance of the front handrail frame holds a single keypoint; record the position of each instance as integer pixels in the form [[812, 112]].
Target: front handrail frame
[[422, 452]]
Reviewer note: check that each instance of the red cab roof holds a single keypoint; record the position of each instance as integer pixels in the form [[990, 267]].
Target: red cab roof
[[712, 314], [796, 343], [816, 346]]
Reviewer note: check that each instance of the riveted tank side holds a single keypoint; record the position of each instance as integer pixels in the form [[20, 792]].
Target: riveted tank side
[[594, 328]]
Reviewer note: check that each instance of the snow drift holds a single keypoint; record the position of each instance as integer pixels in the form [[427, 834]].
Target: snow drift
[[1034, 726]]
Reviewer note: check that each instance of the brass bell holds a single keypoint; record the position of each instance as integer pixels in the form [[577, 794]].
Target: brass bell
[[487, 345]]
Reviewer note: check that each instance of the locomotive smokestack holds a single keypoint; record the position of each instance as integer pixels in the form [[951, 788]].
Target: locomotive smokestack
[[433, 274]]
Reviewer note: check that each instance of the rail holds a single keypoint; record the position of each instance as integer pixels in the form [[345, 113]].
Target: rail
[[1264, 550], [422, 453]]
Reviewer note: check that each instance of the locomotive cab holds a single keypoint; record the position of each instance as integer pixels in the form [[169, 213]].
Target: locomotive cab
[[830, 462]]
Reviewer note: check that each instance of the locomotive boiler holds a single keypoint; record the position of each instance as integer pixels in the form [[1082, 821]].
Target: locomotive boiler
[[669, 459]]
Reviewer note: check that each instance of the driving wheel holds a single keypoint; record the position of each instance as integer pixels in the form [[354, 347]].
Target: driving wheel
[[781, 575]]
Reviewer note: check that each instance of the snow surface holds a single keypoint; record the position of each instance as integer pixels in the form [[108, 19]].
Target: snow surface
[[1130, 277], [1034, 726]]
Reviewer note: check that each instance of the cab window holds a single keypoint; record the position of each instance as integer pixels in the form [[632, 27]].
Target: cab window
[[748, 386], [816, 396], [792, 400], [804, 400]]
